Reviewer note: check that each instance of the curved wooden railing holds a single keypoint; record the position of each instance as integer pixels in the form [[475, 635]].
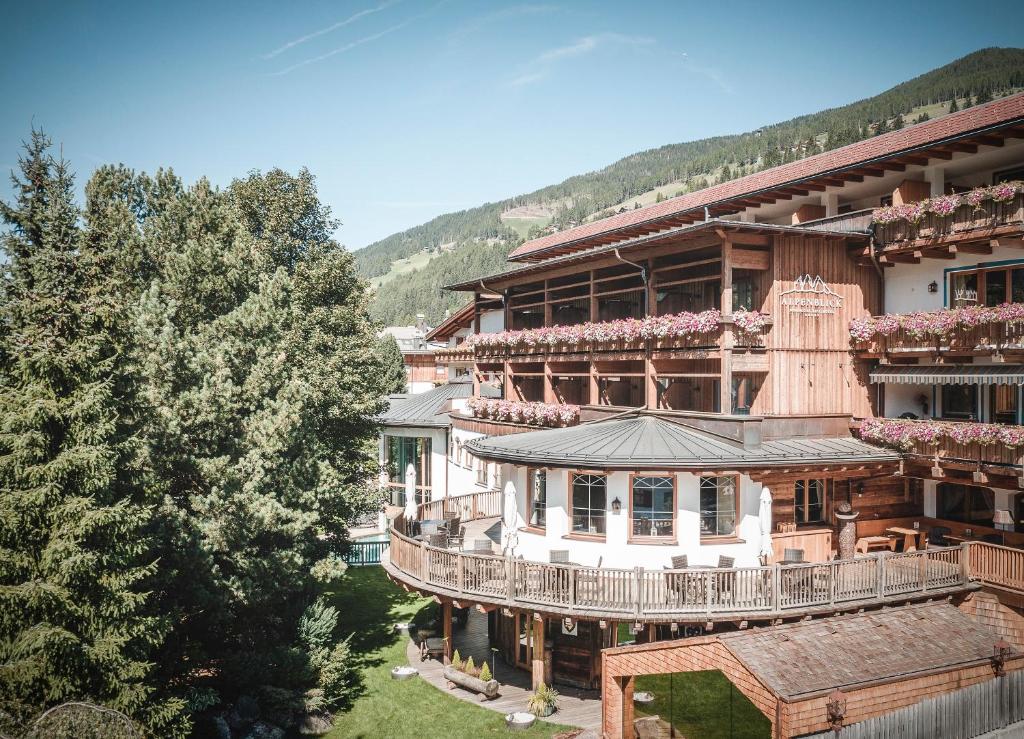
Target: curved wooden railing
[[687, 594]]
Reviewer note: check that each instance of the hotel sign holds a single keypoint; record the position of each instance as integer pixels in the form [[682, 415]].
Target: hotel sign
[[810, 296]]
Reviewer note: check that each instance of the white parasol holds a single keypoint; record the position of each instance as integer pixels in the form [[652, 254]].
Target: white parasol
[[410, 492], [510, 517], [764, 518]]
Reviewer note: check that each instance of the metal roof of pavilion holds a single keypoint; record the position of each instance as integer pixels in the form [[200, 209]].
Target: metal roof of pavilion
[[950, 374], [648, 441], [798, 660], [426, 409]]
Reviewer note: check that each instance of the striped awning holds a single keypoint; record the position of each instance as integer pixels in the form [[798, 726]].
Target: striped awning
[[950, 374]]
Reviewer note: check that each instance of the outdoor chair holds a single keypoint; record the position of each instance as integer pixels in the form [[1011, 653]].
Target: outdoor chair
[[725, 562], [937, 536], [792, 556], [679, 562], [456, 536], [559, 556], [438, 540], [483, 546]]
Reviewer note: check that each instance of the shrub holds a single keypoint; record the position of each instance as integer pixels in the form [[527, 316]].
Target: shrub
[[470, 668], [485, 672], [457, 662]]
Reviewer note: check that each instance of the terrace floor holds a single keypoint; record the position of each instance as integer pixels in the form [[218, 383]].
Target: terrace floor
[[576, 707]]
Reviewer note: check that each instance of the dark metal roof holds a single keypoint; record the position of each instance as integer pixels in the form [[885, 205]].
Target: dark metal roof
[[950, 374], [426, 409], [647, 441], [843, 652], [680, 232]]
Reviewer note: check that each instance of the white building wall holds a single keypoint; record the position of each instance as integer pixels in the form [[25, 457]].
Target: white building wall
[[615, 551], [906, 285], [492, 321]]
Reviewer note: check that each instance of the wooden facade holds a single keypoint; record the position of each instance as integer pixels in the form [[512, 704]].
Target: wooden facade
[[810, 286]]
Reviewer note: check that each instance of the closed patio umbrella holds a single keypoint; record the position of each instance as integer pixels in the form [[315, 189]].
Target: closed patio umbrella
[[509, 517], [764, 518], [410, 492]]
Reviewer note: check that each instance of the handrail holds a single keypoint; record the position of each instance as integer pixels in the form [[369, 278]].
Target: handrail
[[993, 564], [684, 594]]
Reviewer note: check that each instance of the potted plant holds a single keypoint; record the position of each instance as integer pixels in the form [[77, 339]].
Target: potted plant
[[543, 702]]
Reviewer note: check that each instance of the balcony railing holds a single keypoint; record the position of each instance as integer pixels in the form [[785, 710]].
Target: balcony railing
[[941, 332], [629, 335], [950, 443], [989, 215], [675, 595]]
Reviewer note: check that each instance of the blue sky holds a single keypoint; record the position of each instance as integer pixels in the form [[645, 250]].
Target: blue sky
[[407, 109]]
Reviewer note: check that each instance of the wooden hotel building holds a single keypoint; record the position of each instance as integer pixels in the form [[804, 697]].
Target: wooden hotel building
[[740, 409]]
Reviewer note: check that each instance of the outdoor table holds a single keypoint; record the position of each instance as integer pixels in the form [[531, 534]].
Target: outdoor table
[[910, 537], [866, 544]]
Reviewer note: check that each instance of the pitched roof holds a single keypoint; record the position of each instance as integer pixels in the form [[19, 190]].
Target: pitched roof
[[980, 117], [460, 319], [647, 441], [843, 652], [425, 409]]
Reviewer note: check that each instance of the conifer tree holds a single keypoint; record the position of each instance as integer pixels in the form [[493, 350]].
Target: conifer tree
[[390, 357], [74, 558], [953, 107]]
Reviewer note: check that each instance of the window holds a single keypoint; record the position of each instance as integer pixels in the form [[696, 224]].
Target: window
[[987, 286], [960, 402], [743, 292], [744, 390], [481, 471], [717, 506], [1003, 402], [652, 506], [400, 452], [537, 497], [965, 503], [809, 506], [589, 496]]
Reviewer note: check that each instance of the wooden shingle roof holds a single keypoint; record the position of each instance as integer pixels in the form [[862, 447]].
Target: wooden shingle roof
[[798, 660]]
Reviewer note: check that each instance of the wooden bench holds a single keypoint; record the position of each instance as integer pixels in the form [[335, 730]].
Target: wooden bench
[[867, 544], [432, 647]]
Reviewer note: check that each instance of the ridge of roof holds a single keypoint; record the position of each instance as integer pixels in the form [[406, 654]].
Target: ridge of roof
[[863, 152], [452, 323]]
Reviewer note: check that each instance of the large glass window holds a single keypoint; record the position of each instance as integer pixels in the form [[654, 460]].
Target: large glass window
[[965, 503], [810, 501], [987, 286], [960, 402], [717, 506], [400, 452], [589, 495], [1003, 402], [743, 291], [537, 490], [652, 506]]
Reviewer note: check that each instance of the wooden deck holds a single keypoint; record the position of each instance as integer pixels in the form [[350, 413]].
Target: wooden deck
[[580, 708]]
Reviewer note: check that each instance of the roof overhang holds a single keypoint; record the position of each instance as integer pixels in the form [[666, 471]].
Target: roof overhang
[[987, 124], [952, 374], [679, 234]]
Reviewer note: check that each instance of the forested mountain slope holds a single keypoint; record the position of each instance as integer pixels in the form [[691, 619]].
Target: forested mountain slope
[[456, 246]]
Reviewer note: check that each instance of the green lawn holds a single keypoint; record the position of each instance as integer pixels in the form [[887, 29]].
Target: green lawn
[[369, 605], [703, 705]]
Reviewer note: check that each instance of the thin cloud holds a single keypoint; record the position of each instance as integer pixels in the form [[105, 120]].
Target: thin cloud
[[527, 79], [359, 42], [587, 44], [333, 27], [710, 73]]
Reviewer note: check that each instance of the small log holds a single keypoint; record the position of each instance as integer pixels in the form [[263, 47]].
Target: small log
[[488, 690]]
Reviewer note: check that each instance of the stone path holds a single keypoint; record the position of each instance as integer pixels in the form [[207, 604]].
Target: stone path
[[580, 708]]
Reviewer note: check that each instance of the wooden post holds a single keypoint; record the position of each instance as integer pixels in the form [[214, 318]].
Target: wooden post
[[880, 576], [446, 624], [725, 387], [538, 651], [627, 685]]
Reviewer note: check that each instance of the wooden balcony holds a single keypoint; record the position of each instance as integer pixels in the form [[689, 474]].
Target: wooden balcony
[[985, 463], [460, 353], [685, 595], [996, 339], [989, 220]]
